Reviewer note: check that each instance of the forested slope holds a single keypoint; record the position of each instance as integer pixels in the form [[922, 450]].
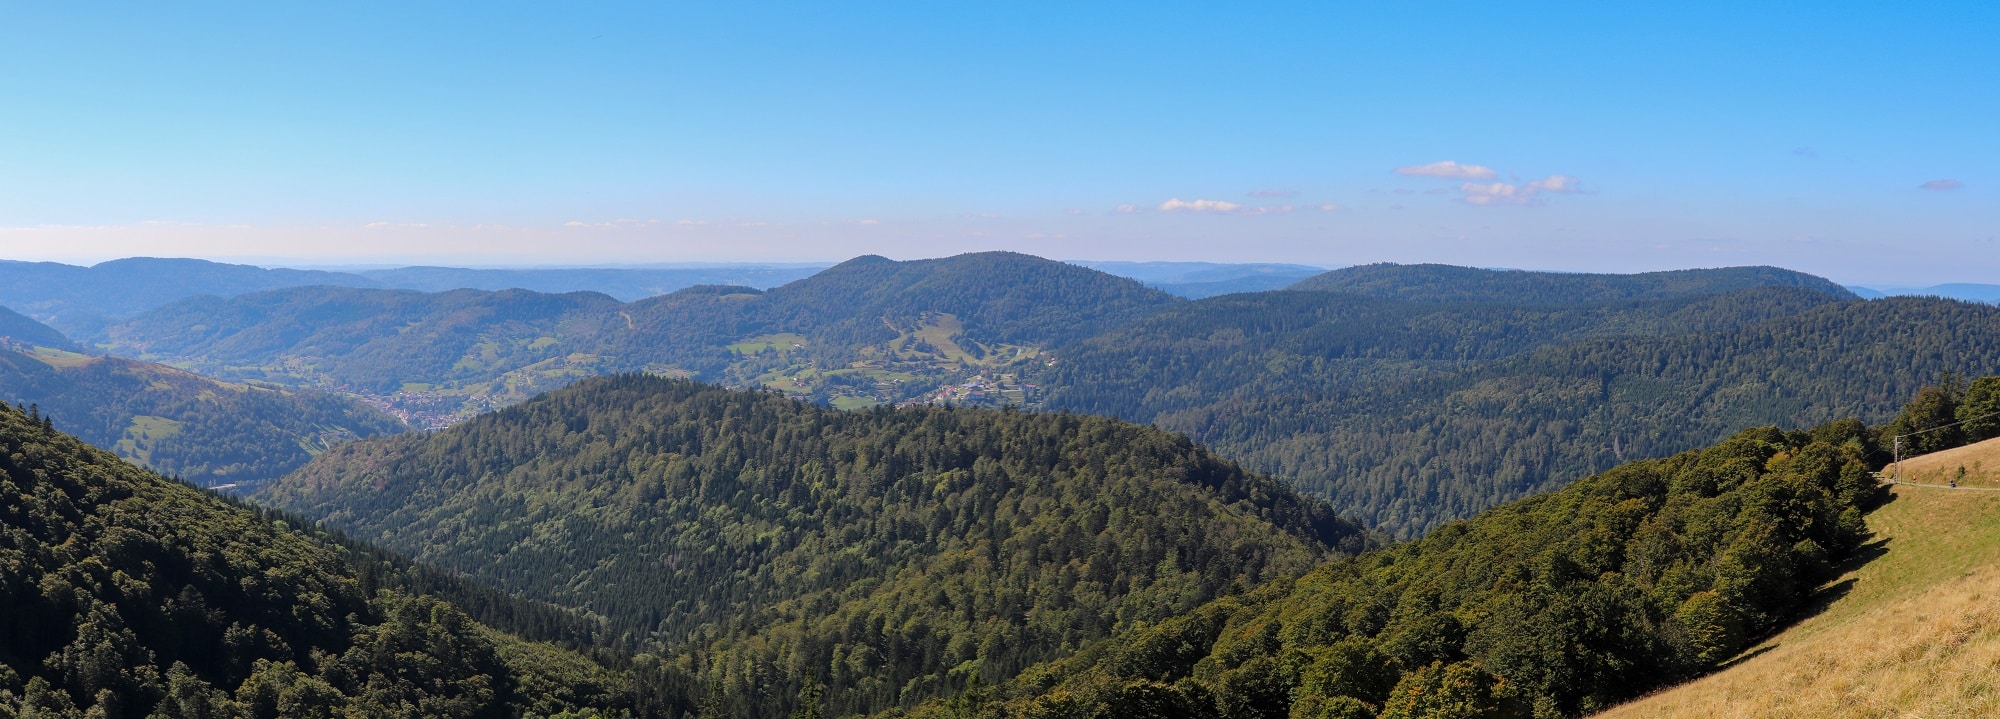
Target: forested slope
[[365, 339], [768, 544], [128, 595], [19, 330], [1447, 283], [204, 431], [1407, 415], [1548, 607]]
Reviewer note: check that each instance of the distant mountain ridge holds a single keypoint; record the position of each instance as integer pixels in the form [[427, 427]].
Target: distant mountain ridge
[[79, 300], [1448, 283], [625, 284], [1195, 280], [1968, 291], [871, 329]]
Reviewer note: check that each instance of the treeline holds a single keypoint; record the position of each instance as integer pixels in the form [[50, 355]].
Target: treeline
[[1947, 415], [129, 595], [1406, 416], [764, 545], [1559, 605]]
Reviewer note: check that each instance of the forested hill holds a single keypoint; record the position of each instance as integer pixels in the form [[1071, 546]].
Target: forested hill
[[872, 308], [368, 340], [79, 300], [22, 331], [869, 330], [1549, 607], [999, 297], [1407, 416], [890, 555], [204, 431], [1447, 283], [127, 596]]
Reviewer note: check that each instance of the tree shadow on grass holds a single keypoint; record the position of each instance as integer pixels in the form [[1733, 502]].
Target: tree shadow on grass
[[1821, 600]]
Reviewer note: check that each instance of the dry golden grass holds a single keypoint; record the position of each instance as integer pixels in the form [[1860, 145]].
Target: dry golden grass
[[1914, 633]]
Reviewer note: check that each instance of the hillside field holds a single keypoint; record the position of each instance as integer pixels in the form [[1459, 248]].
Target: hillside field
[[1914, 632]]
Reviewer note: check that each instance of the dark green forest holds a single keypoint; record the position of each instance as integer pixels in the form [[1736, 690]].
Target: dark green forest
[[765, 544], [1409, 415], [204, 431], [130, 595], [1553, 606]]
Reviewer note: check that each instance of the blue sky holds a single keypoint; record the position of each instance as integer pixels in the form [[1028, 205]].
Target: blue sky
[[1580, 136]]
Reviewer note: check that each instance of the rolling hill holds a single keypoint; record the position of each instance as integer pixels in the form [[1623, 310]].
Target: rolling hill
[[512, 343], [626, 284], [202, 430], [894, 555], [128, 595], [80, 300], [867, 331], [1406, 415], [1908, 633], [1446, 283]]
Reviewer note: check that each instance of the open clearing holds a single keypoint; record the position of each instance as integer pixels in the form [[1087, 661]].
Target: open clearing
[[1913, 633]]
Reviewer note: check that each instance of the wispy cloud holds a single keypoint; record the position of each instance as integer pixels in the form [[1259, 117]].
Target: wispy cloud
[[1177, 205], [1448, 169], [1508, 193], [1273, 193], [1223, 207], [1941, 185]]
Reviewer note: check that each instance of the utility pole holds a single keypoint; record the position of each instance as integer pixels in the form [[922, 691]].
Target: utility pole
[[1898, 474]]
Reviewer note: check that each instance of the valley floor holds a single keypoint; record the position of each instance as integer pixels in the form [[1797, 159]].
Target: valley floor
[[1914, 632]]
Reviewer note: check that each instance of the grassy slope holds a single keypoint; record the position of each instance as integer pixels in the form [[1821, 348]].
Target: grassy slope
[[1913, 633]]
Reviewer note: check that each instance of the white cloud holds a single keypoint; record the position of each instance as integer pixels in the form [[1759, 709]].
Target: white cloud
[[1215, 207], [1563, 184], [1330, 207], [1507, 193], [1274, 193], [1448, 169], [1176, 205]]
